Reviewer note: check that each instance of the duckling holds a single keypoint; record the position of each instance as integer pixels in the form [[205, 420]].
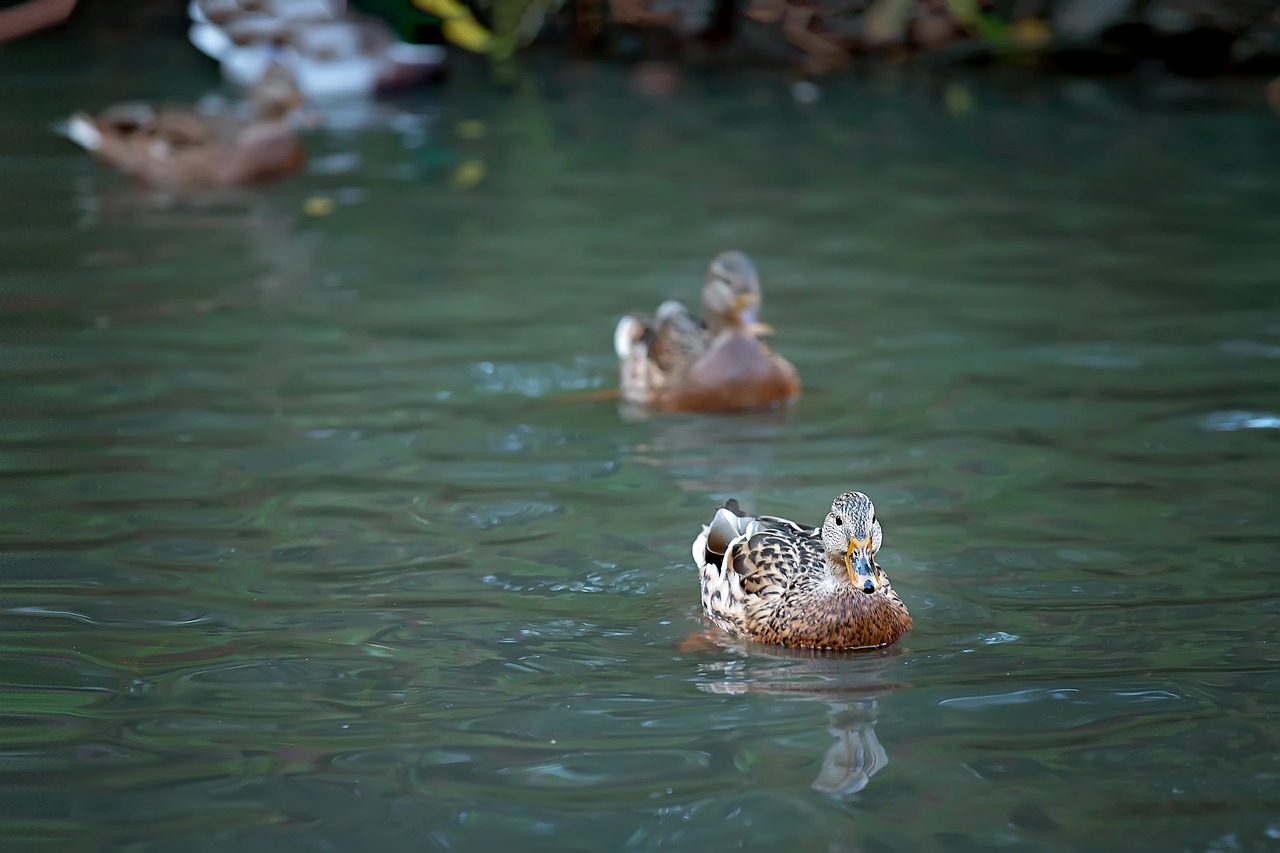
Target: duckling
[[675, 362], [771, 580], [179, 147]]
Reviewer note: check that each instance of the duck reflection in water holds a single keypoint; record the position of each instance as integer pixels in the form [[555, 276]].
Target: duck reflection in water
[[270, 237], [850, 684], [709, 454]]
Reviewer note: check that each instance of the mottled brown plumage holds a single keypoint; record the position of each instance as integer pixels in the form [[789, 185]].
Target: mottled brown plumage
[[178, 147], [674, 362], [774, 581]]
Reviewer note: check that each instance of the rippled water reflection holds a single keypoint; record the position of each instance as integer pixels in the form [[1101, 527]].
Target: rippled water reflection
[[308, 544]]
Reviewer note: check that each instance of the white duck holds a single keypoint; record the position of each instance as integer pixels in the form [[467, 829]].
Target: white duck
[[332, 55]]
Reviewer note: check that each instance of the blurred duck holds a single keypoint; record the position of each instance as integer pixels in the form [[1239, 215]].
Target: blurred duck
[[182, 148], [673, 361], [340, 50], [331, 59]]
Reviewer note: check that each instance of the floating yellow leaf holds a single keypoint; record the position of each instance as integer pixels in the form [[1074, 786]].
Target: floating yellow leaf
[[964, 12], [459, 26], [318, 205], [471, 129], [469, 174], [467, 33], [1031, 32], [957, 99]]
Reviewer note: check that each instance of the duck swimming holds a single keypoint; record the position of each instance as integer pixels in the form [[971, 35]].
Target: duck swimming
[[341, 50], [673, 361], [347, 58], [180, 147], [772, 580]]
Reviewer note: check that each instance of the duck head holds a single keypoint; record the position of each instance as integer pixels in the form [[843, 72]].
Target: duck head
[[851, 536], [731, 295]]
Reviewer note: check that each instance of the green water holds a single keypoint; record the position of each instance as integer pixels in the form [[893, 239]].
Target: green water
[[302, 549]]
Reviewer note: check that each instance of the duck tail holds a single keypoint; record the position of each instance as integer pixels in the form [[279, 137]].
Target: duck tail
[[669, 308], [210, 40], [724, 528], [82, 130], [625, 334]]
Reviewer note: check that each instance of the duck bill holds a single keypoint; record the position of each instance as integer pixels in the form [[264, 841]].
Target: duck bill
[[748, 308], [861, 568]]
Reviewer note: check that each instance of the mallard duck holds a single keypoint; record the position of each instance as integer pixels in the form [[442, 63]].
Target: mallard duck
[[675, 362], [177, 147], [775, 581]]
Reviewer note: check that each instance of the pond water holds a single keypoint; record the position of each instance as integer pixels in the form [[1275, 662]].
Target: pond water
[[312, 538]]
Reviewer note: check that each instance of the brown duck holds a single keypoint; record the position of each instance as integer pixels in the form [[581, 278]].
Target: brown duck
[[673, 361], [774, 581], [182, 148]]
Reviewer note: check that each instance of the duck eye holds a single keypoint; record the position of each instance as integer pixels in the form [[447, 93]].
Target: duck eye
[[839, 521]]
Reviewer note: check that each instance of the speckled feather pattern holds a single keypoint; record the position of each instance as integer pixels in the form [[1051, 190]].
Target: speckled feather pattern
[[179, 147], [767, 579], [734, 371], [655, 352]]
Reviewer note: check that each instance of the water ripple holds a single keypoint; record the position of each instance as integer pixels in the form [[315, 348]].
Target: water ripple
[[315, 535]]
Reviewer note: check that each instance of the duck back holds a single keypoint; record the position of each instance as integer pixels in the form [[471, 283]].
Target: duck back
[[738, 372]]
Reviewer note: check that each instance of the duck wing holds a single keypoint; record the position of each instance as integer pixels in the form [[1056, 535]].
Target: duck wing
[[656, 352], [771, 559], [189, 129], [762, 551], [676, 338]]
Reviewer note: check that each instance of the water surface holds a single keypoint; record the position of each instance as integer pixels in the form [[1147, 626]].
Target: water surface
[[308, 545]]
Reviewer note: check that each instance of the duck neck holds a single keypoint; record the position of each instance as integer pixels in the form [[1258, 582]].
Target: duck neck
[[720, 323], [839, 574]]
